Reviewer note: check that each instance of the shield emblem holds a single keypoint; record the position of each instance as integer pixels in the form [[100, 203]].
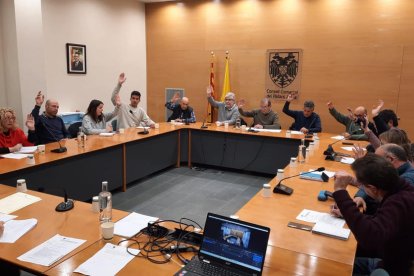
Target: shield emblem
[[283, 67]]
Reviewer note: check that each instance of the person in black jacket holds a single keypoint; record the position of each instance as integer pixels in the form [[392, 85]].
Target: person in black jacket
[[182, 112]]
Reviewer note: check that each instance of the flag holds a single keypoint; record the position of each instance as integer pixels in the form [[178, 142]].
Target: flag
[[210, 116], [226, 82]]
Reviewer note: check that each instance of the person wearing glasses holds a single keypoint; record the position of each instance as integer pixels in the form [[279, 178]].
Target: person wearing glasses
[[227, 110], [352, 122], [263, 117], [306, 121], [12, 138]]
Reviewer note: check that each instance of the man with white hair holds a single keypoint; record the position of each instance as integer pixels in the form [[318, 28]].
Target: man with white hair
[[228, 111], [182, 111]]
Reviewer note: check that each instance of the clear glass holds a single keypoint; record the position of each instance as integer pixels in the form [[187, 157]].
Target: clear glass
[[301, 154], [81, 138], [105, 203], [238, 122]]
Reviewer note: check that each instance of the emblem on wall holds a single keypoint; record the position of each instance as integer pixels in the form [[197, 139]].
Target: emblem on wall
[[283, 73]]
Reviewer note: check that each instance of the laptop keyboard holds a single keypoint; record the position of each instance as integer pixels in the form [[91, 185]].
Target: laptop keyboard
[[203, 268]]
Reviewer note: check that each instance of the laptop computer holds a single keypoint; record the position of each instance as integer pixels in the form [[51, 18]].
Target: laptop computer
[[229, 246]]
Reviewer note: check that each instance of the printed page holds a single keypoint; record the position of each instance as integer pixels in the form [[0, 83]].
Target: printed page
[[14, 229], [16, 201], [107, 261], [132, 224]]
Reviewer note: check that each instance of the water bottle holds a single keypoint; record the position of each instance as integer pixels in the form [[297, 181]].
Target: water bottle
[[81, 138], [105, 203], [302, 152], [238, 122]]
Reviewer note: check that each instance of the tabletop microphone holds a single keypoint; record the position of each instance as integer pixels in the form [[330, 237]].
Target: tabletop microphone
[[330, 153], [203, 125], [66, 205], [323, 195], [285, 190], [61, 148]]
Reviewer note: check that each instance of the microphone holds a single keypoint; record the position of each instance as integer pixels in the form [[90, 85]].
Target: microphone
[[66, 205], [203, 125], [145, 131], [285, 190], [323, 195], [61, 148], [330, 153]]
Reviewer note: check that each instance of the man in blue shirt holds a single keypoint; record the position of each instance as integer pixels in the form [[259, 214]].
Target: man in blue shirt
[[306, 121], [182, 112], [48, 127]]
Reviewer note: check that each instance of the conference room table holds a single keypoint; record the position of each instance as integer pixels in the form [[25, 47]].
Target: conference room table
[[290, 251]]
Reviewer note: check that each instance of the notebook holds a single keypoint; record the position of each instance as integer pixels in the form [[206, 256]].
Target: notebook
[[229, 246]]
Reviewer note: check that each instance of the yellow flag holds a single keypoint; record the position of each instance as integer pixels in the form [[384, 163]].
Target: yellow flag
[[226, 82]]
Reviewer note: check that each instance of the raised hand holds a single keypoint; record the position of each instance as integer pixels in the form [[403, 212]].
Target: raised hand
[[121, 78], [290, 98], [175, 97], [330, 105], [358, 151], [40, 98], [241, 103], [30, 123], [209, 91], [376, 110]]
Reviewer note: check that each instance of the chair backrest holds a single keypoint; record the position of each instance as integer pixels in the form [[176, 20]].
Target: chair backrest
[[73, 129]]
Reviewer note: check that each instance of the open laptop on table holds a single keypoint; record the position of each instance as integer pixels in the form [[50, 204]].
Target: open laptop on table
[[229, 247]]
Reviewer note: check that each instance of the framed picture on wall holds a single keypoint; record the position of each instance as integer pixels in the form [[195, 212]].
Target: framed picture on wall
[[76, 58]]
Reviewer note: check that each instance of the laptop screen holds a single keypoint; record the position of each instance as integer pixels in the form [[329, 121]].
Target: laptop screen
[[234, 242]]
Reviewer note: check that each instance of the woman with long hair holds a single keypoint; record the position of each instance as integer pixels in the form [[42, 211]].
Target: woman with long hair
[[95, 120]]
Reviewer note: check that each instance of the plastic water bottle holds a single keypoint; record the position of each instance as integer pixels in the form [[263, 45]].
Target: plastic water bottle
[[302, 152], [238, 122], [81, 138], [105, 203]]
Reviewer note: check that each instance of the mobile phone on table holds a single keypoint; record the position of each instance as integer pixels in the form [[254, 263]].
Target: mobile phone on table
[[299, 226]]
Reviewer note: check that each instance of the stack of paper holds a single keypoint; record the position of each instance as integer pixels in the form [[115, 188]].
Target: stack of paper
[[51, 250], [14, 229], [16, 201], [132, 224], [28, 149], [325, 224], [266, 130], [14, 155], [107, 261]]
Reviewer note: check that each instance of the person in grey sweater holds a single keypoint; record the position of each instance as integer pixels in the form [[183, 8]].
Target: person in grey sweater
[[263, 117], [95, 120], [227, 110], [130, 115]]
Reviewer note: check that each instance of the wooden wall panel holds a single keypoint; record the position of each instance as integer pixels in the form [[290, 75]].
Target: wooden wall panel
[[355, 52]]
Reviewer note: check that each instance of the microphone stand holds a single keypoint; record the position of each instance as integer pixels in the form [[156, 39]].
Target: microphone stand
[[285, 190], [61, 149]]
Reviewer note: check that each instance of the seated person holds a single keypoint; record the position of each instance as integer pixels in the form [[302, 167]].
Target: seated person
[[227, 110], [263, 117], [384, 119], [182, 112], [352, 122], [306, 121], [398, 158], [95, 120], [130, 115], [389, 233], [48, 127], [13, 138]]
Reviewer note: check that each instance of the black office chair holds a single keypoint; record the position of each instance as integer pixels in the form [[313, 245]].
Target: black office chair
[[73, 129]]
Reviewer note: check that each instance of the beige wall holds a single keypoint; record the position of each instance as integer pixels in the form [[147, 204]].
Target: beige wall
[[355, 52], [33, 54]]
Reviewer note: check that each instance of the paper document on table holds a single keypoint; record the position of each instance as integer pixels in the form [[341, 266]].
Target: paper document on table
[[331, 231], [14, 229], [347, 160], [16, 201], [315, 217], [338, 137], [328, 173], [107, 261], [132, 224], [351, 148], [107, 134], [6, 218], [28, 149], [296, 132], [51, 250], [14, 155], [266, 130]]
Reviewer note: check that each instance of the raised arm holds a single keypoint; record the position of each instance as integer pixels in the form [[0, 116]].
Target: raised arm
[[286, 109], [338, 116], [115, 93], [210, 98], [39, 99]]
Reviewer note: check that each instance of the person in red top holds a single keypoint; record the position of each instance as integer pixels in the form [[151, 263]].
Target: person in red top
[[13, 138]]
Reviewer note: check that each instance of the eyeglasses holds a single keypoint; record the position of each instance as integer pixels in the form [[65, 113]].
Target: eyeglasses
[[229, 100], [7, 118]]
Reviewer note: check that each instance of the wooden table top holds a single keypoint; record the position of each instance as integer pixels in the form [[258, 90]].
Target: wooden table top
[[79, 222]]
